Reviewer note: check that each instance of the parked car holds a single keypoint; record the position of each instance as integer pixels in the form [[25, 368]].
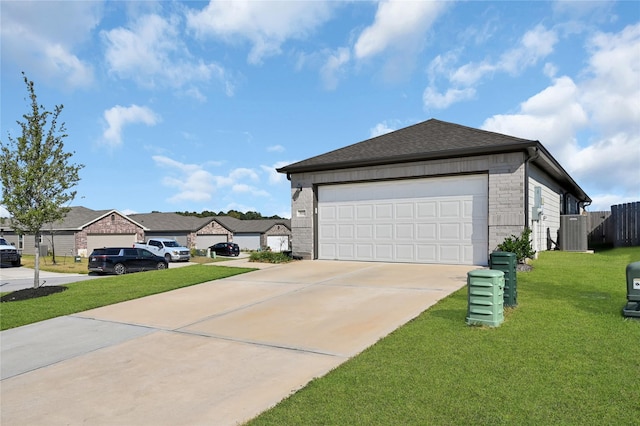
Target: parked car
[[120, 260], [225, 249], [9, 254], [167, 247]]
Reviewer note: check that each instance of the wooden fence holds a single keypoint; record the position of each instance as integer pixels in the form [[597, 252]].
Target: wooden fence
[[620, 227]]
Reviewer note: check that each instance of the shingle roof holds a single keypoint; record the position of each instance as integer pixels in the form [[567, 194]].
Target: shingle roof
[[430, 140], [160, 222], [427, 140], [250, 226]]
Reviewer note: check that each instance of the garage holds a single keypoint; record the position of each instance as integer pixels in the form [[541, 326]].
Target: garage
[[109, 240], [428, 220], [206, 241], [278, 243]]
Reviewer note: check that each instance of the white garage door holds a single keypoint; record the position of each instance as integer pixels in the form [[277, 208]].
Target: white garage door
[[434, 220], [247, 241], [206, 241], [109, 240], [278, 243]]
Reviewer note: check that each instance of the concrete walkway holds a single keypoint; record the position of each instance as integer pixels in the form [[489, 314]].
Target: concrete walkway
[[216, 353]]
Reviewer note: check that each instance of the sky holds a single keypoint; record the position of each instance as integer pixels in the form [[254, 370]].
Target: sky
[[191, 106]]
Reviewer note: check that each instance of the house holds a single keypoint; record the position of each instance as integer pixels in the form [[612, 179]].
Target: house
[[258, 234], [81, 231], [84, 229], [434, 192], [203, 232]]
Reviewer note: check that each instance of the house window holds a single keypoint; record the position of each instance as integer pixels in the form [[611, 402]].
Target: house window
[[113, 218], [21, 242]]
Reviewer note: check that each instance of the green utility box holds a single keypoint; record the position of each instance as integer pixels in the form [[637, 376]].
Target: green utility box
[[507, 262], [632, 309], [485, 297]]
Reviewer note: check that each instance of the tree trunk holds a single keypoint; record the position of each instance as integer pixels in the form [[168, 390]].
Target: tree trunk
[[36, 266]]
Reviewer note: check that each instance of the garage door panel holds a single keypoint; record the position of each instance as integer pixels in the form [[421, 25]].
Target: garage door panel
[[404, 211], [405, 252], [404, 231], [449, 253], [364, 212], [364, 232], [450, 231], [384, 231], [427, 231], [345, 232], [384, 211], [328, 231], [427, 253], [364, 251], [450, 209], [435, 220], [384, 252]]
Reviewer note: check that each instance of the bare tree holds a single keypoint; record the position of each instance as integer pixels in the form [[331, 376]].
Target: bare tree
[[35, 172]]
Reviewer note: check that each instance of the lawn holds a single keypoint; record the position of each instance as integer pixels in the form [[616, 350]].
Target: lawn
[[68, 264], [565, 355], [98, 292]]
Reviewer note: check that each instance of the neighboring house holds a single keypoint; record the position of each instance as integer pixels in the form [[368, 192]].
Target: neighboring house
[[80, 232], [84, 229], [258, 234], [203, 232], [434, 192]]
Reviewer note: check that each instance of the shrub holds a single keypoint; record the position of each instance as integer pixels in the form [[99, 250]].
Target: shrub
[[268, 257], [521, 245]]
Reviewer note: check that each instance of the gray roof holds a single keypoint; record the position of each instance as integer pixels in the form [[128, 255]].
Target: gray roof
[[250, 226], [79, 217], [172, 222], [430, 140], [161, 222]]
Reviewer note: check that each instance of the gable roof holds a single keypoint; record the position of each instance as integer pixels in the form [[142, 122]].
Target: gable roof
[[80, 217], [170, 222], [250, 226], [431, 140]]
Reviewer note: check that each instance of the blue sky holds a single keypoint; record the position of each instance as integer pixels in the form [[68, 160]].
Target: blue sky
[[175, 106]]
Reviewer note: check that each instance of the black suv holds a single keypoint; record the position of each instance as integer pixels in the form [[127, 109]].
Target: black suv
[[225, 249], [120, 260]]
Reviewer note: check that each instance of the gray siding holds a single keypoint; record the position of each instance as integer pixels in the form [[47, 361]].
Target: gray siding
[[506, 192], [550, 219]]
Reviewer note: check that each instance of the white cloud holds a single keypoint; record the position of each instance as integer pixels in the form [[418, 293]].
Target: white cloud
[[266, 25], [119, 116], [334, 67], [275, 148], [397, 23], [43, 38], [191, 180], [4, 212], [152, 54], [432, 99], [604, 109], [275, 177], [380, 129], [534, 45]]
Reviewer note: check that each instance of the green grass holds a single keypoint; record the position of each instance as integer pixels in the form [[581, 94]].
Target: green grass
[[98, 292], [565, 355]]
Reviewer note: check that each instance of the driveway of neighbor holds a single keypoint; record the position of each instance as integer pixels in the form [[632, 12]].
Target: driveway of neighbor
[[215, 353]]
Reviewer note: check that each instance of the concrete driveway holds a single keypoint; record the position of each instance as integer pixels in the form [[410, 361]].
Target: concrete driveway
[[216, 353]]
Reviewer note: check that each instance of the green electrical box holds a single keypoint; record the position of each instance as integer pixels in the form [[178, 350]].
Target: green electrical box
[[632, 309], [485, 297], [507, 262]]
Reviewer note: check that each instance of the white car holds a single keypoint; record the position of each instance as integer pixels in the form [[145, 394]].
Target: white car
[[9, 254]]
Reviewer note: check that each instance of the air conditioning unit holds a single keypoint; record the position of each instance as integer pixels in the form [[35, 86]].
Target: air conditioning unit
[[573, 232]]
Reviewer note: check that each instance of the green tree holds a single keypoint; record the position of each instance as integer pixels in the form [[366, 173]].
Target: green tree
[[37, 179]]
